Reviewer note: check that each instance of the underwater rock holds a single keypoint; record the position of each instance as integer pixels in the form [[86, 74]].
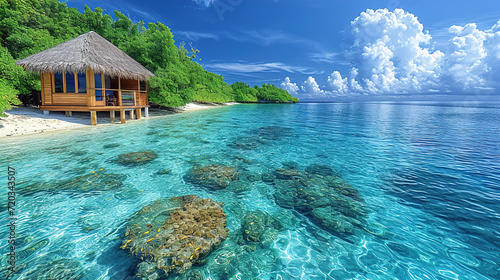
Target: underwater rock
[[89, 223], [56, 270], [331, 219], [243, 262], [164, 172], [92, 182], [244, 160], [261, 136], [238, 187], [135, 158], [246, 143], [171, 235], [111, 145], [214, 177], [329, 200], [31, 249], [260, 227]]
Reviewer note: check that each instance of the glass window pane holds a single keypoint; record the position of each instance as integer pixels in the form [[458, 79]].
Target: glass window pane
[[82, 83], [98, 95], [98, 82], [107, 81], [143, 86], [58, 83], [70, 82]]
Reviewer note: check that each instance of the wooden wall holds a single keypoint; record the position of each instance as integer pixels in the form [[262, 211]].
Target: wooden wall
[[46, 88], [69, 99], [129, 84]]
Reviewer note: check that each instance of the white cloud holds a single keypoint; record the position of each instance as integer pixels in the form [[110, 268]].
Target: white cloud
[[259, 67], [466, 59], [311, 87], [337, 84], [327, 57], [292, 88], [195, 36], [393, 54], [268, 37]]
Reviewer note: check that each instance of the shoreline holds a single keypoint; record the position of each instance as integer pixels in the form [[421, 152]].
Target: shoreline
[[23, 121]]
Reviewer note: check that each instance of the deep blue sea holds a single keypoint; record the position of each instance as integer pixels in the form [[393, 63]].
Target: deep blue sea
[[428, 174]]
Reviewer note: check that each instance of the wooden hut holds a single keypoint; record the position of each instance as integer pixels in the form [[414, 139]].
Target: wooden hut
[[90, 74]]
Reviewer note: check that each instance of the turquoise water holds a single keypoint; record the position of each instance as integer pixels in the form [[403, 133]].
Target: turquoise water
[[429, 175]]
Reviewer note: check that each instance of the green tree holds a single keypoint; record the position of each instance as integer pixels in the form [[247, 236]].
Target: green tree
[[9, 78]]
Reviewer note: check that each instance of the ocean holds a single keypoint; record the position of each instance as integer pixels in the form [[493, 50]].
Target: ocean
[[310, 191]]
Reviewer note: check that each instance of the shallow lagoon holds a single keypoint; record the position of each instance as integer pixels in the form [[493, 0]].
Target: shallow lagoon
[[429, 176]]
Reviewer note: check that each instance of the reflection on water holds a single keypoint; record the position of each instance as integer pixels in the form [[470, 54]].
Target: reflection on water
[[310, 191]]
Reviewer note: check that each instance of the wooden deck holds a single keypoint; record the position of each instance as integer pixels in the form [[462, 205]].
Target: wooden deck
[[135, 111], [90, 109]]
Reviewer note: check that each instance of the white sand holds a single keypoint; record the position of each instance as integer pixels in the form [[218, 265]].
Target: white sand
[[25, 120], [193, 106]]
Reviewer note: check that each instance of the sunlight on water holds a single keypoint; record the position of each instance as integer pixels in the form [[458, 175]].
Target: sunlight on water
[[416, 186]]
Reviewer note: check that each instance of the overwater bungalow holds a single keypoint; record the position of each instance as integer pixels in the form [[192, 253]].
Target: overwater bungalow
[[90, 74]]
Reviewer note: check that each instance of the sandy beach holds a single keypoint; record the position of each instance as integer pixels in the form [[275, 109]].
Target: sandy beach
[[26, 120]]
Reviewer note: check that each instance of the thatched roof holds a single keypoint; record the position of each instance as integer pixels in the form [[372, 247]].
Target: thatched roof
[[87, 51]]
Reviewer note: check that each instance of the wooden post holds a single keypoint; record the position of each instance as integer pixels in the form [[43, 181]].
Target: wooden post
[[119, 92], [69, 114], [146, 112], [138, 113], [45, 112], [93, 117], [112, 116], [132, 114], [122, 115]]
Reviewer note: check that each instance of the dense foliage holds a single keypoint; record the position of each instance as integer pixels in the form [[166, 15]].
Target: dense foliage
[[8, 80], [30, 26], [244, 93]]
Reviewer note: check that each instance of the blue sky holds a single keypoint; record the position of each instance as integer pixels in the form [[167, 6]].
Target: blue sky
[[339, 50]]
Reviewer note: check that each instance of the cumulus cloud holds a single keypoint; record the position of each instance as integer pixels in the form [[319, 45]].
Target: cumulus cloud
[[287, 85], [311, 87], [393, 54]]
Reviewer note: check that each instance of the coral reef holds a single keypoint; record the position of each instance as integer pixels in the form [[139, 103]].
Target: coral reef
[[92, 182], [170, 235], [135, 158], [328, 199], [260, 227], [214, 177]]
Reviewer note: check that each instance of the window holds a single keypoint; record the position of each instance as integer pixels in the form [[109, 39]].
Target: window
[[82, 83], [143, 85], [98, 84], [70, 82], [58, 83]]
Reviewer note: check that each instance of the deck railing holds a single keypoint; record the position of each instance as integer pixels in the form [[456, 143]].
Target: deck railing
[[128, 98]]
